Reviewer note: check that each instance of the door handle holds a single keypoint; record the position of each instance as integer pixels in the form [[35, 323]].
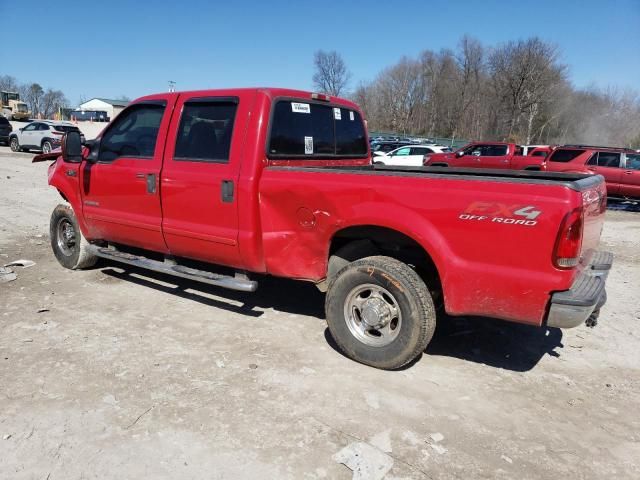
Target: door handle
[[227, 191], [151, 183]]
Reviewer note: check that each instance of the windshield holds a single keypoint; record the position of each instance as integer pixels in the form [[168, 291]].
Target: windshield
[[22, 107]]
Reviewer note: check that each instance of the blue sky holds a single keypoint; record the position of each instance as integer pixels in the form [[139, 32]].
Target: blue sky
[[112, 48]]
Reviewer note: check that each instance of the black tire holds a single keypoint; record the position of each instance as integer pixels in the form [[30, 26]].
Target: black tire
[[14, 144], [46, 146], [415, 323], [68, 244]]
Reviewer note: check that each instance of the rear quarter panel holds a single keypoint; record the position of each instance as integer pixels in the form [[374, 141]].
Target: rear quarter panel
[[487, 266]]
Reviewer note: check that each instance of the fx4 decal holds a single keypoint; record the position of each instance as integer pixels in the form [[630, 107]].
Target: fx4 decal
[[501, 213]]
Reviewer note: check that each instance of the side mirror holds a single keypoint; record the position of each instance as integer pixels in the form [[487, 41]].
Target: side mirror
[[459, 154], [21, 129], [72, 147]]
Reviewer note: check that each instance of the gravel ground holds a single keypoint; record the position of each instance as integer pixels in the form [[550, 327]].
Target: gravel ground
[[119, 373]]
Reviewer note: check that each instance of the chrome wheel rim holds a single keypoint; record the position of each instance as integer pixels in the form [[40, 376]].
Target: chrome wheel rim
[[372, 315], [14, 144], [66, 237]]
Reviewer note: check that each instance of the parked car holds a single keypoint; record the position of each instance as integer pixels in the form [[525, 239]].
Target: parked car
[[528, 149], [5, 130], [380, 148], [290, 191], [409, 155], [619, 166], [44, 135], [486, 155], [542, 151]]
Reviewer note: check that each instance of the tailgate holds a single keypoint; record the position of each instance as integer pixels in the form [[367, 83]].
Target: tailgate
[[594, 202]]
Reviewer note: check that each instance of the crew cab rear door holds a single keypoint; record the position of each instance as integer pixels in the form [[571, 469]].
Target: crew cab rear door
[[199, 186], [630, 180], [120, 179]]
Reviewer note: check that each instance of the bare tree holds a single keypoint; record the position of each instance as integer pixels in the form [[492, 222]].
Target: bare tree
[[8, 83], [52, 102], [331, 75], [32, 95], [523, 73]]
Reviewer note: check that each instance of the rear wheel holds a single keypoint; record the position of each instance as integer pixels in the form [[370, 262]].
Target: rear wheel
[[14, 144], [46, 146], [68, 244], [380, 312]]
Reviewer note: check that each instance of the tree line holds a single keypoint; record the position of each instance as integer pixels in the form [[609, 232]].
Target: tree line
[[518, 91], [42, 103]]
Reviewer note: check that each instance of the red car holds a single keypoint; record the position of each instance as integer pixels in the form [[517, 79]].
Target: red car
[[222, 186], [619, 166], [486, 155]]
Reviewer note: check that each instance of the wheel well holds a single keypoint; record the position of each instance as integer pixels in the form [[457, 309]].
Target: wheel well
[[532, 168], [390, 243], [46, 139], [62, 195]]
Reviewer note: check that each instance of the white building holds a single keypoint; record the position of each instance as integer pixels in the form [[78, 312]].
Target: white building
[[112, 107]]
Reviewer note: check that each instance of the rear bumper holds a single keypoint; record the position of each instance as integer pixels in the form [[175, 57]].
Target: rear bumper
[[573, 307]]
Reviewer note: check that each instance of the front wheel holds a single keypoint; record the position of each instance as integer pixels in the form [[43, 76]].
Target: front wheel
[[68, 244], [14, 144], [380, 312]]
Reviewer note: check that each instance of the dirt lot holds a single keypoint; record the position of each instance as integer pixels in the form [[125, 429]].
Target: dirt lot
[[118, 373]]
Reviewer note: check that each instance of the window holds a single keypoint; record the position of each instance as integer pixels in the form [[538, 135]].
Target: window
[[66, 128], [302, 129], [539, 153], [133, 133], [608, 159], [633, 161], [205, 130], [4, 121], [43, 126], [31, 127], [402, 152], [564, 156], [494, 150], [420, 151], [594, 159]]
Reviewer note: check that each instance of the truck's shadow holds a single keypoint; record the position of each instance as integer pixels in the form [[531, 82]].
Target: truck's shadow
[[494, 342], [482, 340]]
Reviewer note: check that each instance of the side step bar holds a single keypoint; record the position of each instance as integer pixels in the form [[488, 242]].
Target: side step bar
[[224, 281]]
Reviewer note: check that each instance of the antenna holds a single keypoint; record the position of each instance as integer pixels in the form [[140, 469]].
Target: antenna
[[172, 86]]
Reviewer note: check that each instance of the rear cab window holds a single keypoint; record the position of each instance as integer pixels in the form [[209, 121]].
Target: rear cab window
[[309, 129]]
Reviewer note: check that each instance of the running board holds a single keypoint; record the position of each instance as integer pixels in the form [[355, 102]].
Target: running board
[[224, 281]]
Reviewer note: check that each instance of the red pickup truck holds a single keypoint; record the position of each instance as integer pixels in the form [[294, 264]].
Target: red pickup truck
[[219, 186], [488, 155]]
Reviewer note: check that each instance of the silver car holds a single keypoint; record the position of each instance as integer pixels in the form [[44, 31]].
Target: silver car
[[44, 135]]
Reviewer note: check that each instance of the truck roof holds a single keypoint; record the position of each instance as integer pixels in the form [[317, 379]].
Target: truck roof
[[271, 92]]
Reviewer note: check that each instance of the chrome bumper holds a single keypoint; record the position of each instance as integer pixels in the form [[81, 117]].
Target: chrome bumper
[[587, 295]]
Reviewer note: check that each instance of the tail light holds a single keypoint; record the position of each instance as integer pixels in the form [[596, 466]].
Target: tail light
[[57, 133], [566, 253]]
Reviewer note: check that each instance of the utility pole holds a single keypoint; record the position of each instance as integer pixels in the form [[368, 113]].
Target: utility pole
[[172, 86]]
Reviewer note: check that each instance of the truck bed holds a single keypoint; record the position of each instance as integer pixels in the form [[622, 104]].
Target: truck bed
[[575, 181]]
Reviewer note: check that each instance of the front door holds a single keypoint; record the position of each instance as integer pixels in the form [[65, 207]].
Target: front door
[[27, 137], [121, 179], [203, 156]]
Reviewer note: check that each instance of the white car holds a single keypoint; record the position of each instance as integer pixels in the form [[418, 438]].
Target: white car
[[409, 155], [44, 135]]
